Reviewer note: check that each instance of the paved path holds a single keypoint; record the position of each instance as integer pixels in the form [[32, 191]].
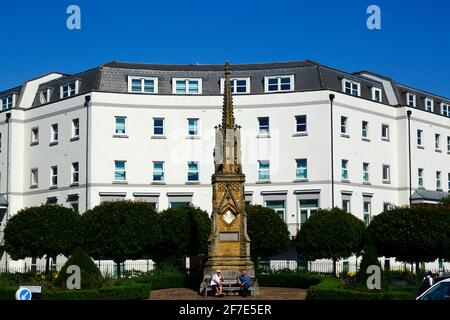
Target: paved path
[[264, 294]]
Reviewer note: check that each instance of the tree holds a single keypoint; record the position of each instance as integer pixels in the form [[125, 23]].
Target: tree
[[330, 234], [91, 277], [445, 201], [185, 233], [419, 233], [268, 233], [48, 230], [120, 230]]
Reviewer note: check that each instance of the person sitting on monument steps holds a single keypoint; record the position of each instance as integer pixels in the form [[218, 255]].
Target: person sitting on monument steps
[[216, 285], [245, 282]]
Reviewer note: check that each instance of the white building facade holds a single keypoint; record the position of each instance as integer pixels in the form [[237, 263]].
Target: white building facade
[[146, 132]]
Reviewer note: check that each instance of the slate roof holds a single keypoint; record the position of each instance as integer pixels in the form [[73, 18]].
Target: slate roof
[[428, 195]]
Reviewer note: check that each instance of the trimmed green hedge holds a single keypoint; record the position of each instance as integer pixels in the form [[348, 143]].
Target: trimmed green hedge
[[162, 281], [288, 280], [331, 289]]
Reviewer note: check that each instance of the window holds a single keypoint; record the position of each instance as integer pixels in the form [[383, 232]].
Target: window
[[34, 178], [420, 177], [346, 205], [429, 105], [264, 171], [263, 124], [158, 126], [365, 129], [44, 96], [344, 121], [192, 126], [419, 137], [386, 206], [445, 109], [344, 165], [187, 86], [448, 181], [192, 175], [8, 102], [121, 125], [279, 83], [438, 180], [0, 142], [300, 122], [384, 132], [278, 207], [377, 94], [69, 89], [307, 208], [75, 128], [411, 99], [54, 133], [365, 172], [75, 173], [53, 176], [448, 144], [302, 169], [352, 88], [179, 204], [367, 211], [437, 141], [120, 173], [158, 171], [238, 85], [34, 135], [386, 173], [142, 85]]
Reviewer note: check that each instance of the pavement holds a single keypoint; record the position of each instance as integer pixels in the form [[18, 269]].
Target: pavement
[[265, 293]]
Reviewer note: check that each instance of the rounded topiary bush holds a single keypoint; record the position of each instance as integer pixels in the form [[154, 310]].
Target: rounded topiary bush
[[91, 276]]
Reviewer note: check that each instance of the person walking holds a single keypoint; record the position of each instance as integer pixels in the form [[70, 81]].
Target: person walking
[[427, 282]]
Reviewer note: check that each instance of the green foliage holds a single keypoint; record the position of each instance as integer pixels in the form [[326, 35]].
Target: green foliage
[[185, 232], [8, 293], [159, 279], [268, 233], [331, 289], [46, 230], [445, 201], [369, 258], [419, 233], [120, 230], [286, 279], [91, 276], [330, 234]]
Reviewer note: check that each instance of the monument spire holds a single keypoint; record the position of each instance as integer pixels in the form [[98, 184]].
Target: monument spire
[[227, 112]]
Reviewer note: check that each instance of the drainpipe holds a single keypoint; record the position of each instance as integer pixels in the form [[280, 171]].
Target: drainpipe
[[7, 120], [408, 113], [332, 149], [86, 104]]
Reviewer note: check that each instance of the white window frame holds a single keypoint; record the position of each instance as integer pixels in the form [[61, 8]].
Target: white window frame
[[34, 177], [35, 135], [388, 172], [124, 170], [197, 127], [344, 169], [53, 175], [299, 169], [428, 100], [194, 171], [75, 128], [163, 126], [437, 141], [419, 138], [115, 126], [366, 172], [367, 213], [420, 178], [344, 126], [374, 91], [261, 133], [61, 89], [384, 125], [155, 171], [448, 144], [408, 96], [266, 83], [263, 170], [142, 79], [186, 80], [234, 87], [351, 82], [366, 130], [438, 180], [445, 109], [75, 173], [54, 131], [9, 99], [44, 96], [297, 124]]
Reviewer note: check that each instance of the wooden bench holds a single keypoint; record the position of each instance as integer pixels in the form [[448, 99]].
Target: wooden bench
[[229, 287]]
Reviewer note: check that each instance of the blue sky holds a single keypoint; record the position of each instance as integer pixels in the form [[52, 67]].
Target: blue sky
[[413, 46]]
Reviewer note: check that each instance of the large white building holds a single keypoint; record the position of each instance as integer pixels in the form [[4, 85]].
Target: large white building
[[146, 132]]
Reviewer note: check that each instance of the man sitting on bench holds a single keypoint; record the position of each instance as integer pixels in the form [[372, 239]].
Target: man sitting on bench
[[245, 282], [216, 285]]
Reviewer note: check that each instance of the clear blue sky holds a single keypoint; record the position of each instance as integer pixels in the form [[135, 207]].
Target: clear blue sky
[[413, 46]]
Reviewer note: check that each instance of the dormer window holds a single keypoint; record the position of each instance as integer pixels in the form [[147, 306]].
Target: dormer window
[[376, 94], [69, 89], [142, 85], [445, 109], [44, 96], [238, 85], [279, 83], [411, 99], [187, 86], [8, 102], [352, 87], [429, 105]]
